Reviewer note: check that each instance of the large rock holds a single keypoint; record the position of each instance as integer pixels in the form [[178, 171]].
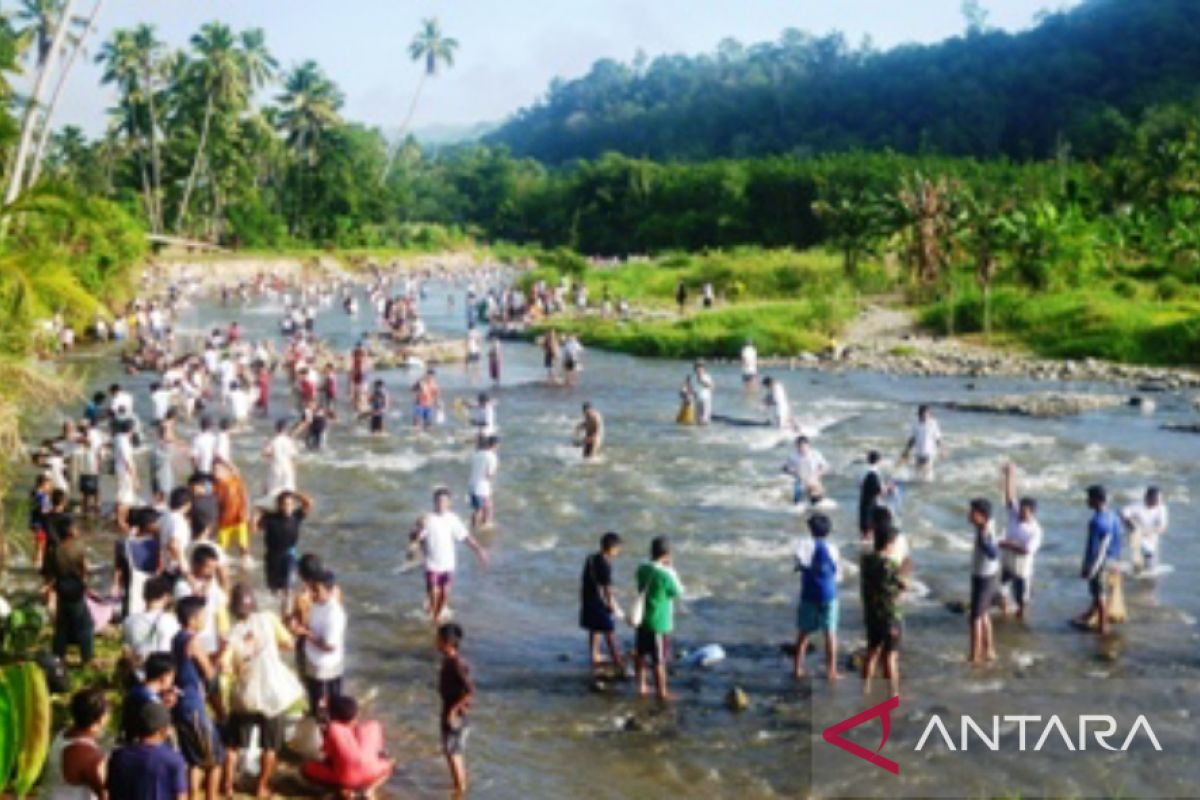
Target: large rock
[[1046, 404]]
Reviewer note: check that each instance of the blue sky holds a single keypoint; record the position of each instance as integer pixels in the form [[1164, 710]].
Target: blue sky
[[509, 50]]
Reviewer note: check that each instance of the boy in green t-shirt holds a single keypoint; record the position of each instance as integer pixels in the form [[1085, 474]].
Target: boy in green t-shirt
[[659, 585]]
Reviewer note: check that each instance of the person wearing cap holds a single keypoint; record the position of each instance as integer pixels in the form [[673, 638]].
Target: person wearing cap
[[985, 568], [1022, 539], [1146, 521], [817, 563], [598, 609], [1103, 547], [149, 768]]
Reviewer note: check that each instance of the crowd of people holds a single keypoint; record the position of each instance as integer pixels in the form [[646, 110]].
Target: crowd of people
[[203, 670]]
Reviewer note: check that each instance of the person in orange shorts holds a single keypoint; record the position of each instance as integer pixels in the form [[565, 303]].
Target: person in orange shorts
[[355, 761], [233, 521]]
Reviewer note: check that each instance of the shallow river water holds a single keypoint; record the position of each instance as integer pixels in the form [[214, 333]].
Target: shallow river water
[[539, 731]]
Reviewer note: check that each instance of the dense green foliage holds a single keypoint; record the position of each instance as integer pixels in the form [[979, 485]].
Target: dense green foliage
[[762, 287], [1000, 180], [1071, 79]]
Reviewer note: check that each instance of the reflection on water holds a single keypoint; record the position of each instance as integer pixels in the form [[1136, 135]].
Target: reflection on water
[[539, 730]]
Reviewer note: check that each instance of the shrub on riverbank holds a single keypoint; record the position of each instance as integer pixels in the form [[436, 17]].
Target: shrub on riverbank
[[1101, 322], [65, 254], [777, 328], [743, 274]]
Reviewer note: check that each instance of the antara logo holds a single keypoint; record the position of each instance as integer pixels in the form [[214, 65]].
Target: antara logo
[[1099, 728], [833, 734], [1102, 727]]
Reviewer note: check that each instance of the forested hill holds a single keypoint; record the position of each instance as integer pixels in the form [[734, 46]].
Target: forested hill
[[1075, 78]]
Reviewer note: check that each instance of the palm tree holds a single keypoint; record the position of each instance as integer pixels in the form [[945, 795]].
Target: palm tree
[[310, 103], [123, 63], [229, 69], [434, 48], [51, 33], [308, 110], [76, 47]]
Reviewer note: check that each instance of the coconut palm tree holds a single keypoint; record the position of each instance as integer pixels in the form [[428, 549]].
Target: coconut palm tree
[[51, 34], [309, 107], [122, 67], [227, 72], [76, 46], [308, 110], [433, 48]]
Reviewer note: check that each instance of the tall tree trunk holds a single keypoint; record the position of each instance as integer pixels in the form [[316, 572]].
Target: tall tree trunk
[[412, 109], [44, 138], [16, 178], [191, 181], [155, 161], [147, 197]]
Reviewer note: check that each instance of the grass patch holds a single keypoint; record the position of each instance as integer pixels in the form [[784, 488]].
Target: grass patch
[[1098, 323], [777, 328]]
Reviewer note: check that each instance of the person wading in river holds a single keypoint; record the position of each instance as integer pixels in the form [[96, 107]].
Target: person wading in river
[[438, 533], [598, 609], [589, 434]]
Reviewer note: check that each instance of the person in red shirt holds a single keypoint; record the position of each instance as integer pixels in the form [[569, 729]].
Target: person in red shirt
[[355, 760]]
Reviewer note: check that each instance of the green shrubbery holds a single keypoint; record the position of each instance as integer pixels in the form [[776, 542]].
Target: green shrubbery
[[781, 328]]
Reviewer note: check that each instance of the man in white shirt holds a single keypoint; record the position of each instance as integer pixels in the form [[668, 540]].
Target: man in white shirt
[[161, 398], [204, 448], [704, 393], [749, 364], [1146, 521], [777, 404], [120, 402], [484, 463], [439, 533], [1022, 539], [324, 644], [806, 466], [175, 533], [926, 440], [151, 630]]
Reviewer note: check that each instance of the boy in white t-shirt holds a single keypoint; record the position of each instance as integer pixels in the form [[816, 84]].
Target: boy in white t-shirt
[[926, 441], [439, 533], [1022, 539], [484, 463], [1146, 521]]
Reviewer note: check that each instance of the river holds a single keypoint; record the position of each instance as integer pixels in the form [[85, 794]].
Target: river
[[539, 730]]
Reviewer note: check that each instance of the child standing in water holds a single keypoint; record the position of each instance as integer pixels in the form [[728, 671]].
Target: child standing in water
[[658, 586], [985, 567], [456, 690], [817, 562], [882, 587], [1022, 539]]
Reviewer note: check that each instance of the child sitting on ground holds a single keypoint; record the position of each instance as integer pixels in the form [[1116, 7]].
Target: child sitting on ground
[[355, 761]]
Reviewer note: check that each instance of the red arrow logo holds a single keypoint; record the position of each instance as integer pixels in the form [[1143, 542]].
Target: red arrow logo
[[833, 734]]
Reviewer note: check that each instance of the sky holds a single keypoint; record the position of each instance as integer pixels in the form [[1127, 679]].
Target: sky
[[508, 51]]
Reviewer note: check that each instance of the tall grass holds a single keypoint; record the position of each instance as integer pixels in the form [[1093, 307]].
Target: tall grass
[[1100, 322]]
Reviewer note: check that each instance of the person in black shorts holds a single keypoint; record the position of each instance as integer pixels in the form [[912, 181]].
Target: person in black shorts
[[379, 402], [985, 573], [882, 586], [281, 536], [598, 609], [457, 690]]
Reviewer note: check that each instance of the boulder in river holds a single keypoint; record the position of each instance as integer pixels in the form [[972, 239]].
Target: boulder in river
[[1045, 404]]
